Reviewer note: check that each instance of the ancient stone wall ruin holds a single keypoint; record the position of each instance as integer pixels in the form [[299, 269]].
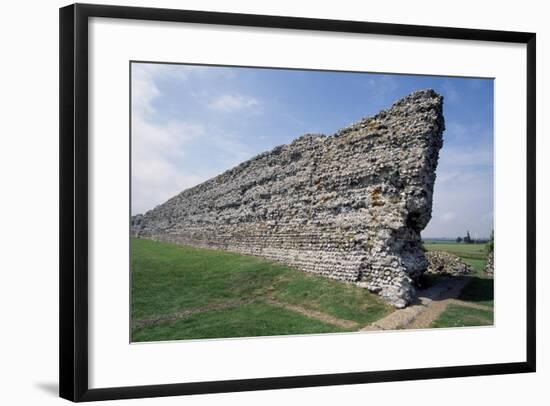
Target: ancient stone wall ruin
[[490, 266], [445, 263], [348, 206]]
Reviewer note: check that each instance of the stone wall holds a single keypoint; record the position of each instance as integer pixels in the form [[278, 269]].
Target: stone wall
[[348, 206], [444, 263], [490, 266]]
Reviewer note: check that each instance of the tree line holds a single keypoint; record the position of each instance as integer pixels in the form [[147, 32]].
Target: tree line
[[469, 240]]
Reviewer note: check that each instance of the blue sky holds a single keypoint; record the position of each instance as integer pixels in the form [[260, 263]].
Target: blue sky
[[190, 123]]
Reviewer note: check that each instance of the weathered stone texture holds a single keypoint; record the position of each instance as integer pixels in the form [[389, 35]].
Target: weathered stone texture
[[443, 263], [490, 266], [348, 206]]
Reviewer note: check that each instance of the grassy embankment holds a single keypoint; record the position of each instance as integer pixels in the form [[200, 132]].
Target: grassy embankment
[[189, 293]]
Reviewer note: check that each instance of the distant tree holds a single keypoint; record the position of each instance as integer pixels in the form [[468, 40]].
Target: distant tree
[[458, 239], [468, 239], [491, 242]]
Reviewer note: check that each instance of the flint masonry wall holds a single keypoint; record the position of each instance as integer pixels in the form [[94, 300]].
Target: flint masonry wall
[[348, 206]]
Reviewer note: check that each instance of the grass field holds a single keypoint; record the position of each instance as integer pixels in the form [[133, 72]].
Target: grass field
[[182, 292], [471, 251], [462, 316], [231, 295], [248, 320], [479, 290]]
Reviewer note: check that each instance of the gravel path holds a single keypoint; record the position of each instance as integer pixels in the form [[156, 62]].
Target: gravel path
[[431, 303]]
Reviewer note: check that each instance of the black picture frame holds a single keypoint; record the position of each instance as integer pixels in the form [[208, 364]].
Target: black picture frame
[[73, 276]]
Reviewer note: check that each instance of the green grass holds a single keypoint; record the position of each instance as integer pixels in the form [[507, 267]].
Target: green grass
[[168, 278], [478, 265], [249, 320], [461, 316], [480, 288], [335, 298], [474, 255], [470, 251], [427, 280]]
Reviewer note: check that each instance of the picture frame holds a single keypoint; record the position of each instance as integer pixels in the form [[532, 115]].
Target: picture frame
[[75, 194]]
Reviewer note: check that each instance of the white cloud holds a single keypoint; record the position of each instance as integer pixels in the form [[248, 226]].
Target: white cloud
[[145, 77], [157, 146], [451, 93], [232, 102], [448, 216], [161, 161], [456, 130], [467, 133], [144, 90], [381, 85], [463, 191], [156, 151], [466, 156], [463, 200]]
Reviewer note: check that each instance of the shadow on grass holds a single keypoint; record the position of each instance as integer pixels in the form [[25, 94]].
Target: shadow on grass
[[427, 280], [479, 290]]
